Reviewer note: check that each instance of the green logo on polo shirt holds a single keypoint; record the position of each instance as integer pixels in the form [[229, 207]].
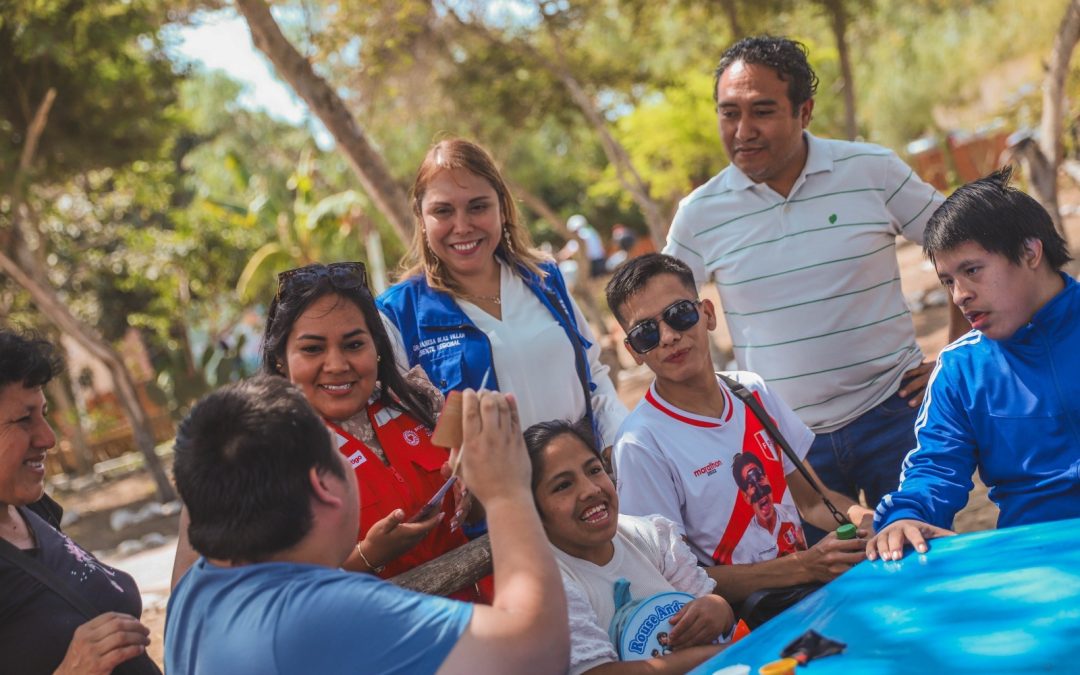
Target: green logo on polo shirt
[[832, 218]]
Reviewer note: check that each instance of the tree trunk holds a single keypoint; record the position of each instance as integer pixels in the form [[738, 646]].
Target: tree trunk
[[49, 304], [452, 571], [67, 417], [732, 11], [1053, 113], [838, 20], [365, 159], [628, 176]]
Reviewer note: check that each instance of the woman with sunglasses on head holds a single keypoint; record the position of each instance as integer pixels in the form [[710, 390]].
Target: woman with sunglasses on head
[[596, 548], [325, 335], [61, 610], [478, 297]]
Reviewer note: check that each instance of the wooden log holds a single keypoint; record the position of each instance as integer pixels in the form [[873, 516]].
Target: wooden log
[[451, 571]]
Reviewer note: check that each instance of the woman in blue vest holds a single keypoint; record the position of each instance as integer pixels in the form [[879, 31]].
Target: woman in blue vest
[[478, 301]]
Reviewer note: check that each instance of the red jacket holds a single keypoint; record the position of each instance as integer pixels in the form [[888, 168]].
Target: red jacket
[[407, 482]]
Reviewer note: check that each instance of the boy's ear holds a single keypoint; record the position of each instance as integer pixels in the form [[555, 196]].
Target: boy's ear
[[1033, 252], [321, 488], [710, 313]]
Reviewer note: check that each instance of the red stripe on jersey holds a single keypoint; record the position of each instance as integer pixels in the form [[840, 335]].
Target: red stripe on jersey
[[683, 418], [757, 442]]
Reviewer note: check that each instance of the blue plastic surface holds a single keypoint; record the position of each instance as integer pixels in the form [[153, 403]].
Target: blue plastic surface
[[1002, 601]]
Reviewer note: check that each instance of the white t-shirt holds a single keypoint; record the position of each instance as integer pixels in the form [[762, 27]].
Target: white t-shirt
[[651, 555], [679, 464]]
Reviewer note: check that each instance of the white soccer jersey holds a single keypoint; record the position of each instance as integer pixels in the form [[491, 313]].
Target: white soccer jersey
[[678, 464]]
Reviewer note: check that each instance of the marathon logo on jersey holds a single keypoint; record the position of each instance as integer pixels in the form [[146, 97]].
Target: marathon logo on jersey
[[411, 437], [709, 469], [356, 459], [766, 444]]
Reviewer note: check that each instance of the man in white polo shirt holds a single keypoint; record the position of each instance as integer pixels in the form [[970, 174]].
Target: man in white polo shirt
[[799, 234]]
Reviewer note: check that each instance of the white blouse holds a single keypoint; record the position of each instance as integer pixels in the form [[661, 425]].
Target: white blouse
[[535, 361]]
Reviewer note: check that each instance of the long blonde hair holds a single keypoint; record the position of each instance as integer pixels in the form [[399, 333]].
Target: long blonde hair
[[515, 245]]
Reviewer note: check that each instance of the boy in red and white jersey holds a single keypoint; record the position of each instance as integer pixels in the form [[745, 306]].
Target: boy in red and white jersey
[[693, 453]]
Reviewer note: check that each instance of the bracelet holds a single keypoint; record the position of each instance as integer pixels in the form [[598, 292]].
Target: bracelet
[[375, 569]]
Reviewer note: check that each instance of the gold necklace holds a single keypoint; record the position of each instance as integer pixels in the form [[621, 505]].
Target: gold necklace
[[489, 298]]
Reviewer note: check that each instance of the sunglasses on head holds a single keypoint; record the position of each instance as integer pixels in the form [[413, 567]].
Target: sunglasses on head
[[680, 315], [343, 276]]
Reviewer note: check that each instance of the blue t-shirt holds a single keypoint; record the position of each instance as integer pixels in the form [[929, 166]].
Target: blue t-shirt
[[290, 618]]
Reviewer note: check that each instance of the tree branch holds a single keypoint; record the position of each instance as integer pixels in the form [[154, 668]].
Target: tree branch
[[321, 98]]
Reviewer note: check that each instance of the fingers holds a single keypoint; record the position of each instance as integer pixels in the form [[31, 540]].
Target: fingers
[[915, 381], [420, 527], [388, 524], [471, 424], [515, 420]]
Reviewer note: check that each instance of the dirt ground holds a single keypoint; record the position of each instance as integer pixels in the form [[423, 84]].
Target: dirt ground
[[95, 504]]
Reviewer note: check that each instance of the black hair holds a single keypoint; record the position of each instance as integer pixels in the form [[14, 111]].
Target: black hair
[[739, 463], [634, 274], [243, 458], [396, 391], [541, 434], [787, 57], [997, 217], [27, 359]]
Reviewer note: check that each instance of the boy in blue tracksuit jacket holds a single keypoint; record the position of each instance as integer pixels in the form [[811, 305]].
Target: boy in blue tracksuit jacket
[[1005, 397]]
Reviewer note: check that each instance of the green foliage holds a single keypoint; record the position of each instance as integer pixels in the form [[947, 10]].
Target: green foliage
[[115, 88], [673, 137]]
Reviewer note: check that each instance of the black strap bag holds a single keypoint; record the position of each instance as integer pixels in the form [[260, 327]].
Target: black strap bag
[[766, 603]]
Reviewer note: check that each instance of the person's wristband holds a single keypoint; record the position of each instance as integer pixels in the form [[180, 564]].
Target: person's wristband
[[375, 569]]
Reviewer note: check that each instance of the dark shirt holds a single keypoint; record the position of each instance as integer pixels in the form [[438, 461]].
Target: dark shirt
[[36, 624]]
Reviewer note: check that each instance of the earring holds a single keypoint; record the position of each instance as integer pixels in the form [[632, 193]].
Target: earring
[[378, 358], [506, 236]]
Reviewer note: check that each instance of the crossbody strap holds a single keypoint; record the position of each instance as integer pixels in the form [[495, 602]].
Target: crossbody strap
[[752, 403], [582, 364], [46, 577], [140, 665]]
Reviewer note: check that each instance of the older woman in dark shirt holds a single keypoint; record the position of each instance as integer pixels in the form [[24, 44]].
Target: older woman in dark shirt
[[40, 632]]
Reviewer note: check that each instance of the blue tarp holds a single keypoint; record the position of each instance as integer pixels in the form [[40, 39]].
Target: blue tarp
[[1003, 601]]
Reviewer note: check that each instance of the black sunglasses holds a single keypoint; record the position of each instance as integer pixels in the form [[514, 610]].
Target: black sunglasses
[[343, 276], [680, 315]]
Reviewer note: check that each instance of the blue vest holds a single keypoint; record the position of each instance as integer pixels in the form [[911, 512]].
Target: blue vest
[[453, 352]]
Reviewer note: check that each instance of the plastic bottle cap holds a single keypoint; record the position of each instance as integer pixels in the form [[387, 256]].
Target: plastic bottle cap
[[781, 667], [846, 531]]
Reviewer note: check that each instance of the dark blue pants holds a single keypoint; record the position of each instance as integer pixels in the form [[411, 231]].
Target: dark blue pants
[[866, 454]]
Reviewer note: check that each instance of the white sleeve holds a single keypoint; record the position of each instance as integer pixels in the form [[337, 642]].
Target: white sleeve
[[681, 243], [678, 562], [397, 342], [909, 199], [645, 482], [609, 410], [590, 645]]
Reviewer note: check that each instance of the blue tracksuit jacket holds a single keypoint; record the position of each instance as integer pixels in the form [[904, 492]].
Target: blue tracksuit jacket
[[1010, 408]]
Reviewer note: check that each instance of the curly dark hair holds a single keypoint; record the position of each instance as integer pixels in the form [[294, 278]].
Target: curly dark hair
[[27, 359], [787, 57]]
